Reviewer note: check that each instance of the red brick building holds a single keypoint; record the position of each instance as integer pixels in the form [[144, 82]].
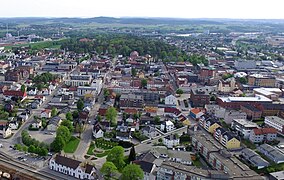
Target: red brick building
[[251, 111]]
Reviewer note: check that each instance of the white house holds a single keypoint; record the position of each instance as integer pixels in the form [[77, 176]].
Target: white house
[[13, 125], [37, 124], [32, 92], [45, 113], [171, 100], [72, 167], [98, 131], [167, 126], [171, 141], [45, 92], [24, 116], [5, 130]]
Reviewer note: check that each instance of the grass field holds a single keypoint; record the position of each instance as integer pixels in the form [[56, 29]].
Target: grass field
[[72, 145], [91, 149]]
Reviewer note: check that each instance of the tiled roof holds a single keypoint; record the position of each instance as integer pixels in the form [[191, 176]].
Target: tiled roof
[[264, 131]]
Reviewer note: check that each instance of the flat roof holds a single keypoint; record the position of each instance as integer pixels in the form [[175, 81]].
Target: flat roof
[[276, 119], [246, 123], [278, 175], [257, 98]]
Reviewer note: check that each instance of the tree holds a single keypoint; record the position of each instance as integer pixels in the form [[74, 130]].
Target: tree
[[133, 72], [144, 83], [40, 86], [69, 116], [157, 120], [68, 124], [132, 154], [31, 149], [79, 128], [243, 80], [75, 114], [99, 118], [23, 88], [179, 91], [108, 170], [54, 112], [43, 122], [116, 156], [111, 115], [80, 105], [64, 132], [106, 93], [58, 144], [25, 148], [132, 171]]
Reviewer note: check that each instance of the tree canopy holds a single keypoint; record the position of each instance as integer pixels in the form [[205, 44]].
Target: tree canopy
[[116, 156], [111, 115], [108, 169], [80, 105], [132, 172]]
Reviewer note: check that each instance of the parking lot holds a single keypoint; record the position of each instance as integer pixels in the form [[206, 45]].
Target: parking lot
[[43, 136], [28, 158]]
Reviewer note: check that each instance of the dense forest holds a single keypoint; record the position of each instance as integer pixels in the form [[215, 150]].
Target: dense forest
[[118, 44]]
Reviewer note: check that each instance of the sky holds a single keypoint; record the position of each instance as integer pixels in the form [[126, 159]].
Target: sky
[[239, 9]]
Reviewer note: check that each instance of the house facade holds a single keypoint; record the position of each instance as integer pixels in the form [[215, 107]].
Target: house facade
[[262, 134], [171, 100]]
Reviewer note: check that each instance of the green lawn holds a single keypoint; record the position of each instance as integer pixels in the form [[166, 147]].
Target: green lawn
[[72, 145], [91, 149], [249, 144], [99, 155], [197, 163]]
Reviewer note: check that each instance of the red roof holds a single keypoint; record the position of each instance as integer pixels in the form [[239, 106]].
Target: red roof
[[73, 89], [102, 112], [130, 111], [264, 131], [14, 93], [195, 110], [172, 110]]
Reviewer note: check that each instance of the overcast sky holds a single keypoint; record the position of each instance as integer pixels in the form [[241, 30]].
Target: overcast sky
[[252, 9]]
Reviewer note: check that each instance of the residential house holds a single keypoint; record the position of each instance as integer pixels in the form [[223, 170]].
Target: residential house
[[171, 141], [147, 168], [15, 93], [251, 111], [243, 127], [45, 114], [230, 141], [149, 131], [215, 110], [123, 133], [272, 153], [196, 113], [98, 131], [171, 100], [37, 124], [32, 91], [72, 167], [172, 112], [14, 125], [54, 123], [24, 116], [167, 126], [5, 130], [255, 159], [209, 124], [275, 122], [262, 134]]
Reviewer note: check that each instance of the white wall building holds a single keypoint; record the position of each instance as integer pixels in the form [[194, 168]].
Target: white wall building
[[171, 141], [168, 126], [275, 122], [72, 167], [243, 126], [171, 100]]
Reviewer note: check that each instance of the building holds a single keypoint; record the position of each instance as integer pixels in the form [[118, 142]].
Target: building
[[226, 86], [245, 64], [210, 125], [261, 80], [196, 113], [149, 131], [199, 97], [271, 93], [216, 110], [15, 93], [275, 122], [171, 100], [226, 138], [131, 100], [53, 123], [72, 167], [173, 170], [78, 80], [251, 111], [244, 127], [171, 141], [272, 153], [262, 134], [98, 131], [237, 102], [167, 126], [147, 168], [5, 130], [279, 175], [220, 159], [253, 158], [45, 114]]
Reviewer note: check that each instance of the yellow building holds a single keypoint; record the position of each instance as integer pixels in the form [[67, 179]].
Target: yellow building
[[233, 144], [186, 122], [211, 126]]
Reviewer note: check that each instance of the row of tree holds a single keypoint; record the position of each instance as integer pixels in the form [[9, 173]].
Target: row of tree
[[32, 145]]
